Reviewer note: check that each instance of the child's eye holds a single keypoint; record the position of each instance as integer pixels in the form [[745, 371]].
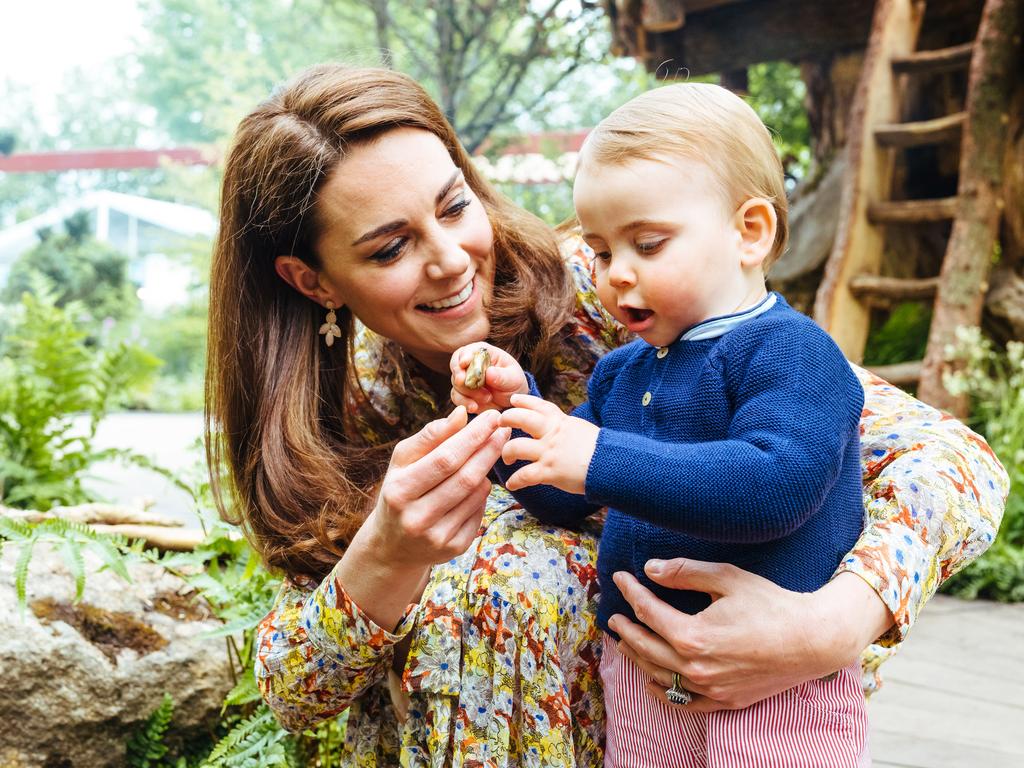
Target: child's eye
[[603, 256], [650, 246]]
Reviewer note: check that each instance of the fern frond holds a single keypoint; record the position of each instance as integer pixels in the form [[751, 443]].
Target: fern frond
[[245, 692], [21, 569], [146, 748], [15, 530], [240, 624], [260, 730], [73, 557]]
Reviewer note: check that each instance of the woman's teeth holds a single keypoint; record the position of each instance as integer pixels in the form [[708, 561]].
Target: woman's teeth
[[452, 301]]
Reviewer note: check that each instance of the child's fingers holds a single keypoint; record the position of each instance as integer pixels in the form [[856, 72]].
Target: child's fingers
[[531, 422], [475, 400], [531, 474], [521, 449], [538, 404], [503, 379]]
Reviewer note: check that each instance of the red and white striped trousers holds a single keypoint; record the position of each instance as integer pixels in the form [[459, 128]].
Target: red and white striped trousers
[[818, 724]]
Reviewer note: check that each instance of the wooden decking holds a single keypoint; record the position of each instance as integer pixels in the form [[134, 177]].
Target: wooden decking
[[954, 695]]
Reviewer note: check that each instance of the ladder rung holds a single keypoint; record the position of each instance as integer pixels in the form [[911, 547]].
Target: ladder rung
[[893, 288], [937, 131], [912, 211], [941, 60], [900, 374]]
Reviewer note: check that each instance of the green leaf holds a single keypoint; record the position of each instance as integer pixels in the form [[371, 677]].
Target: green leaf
[[73, 557]]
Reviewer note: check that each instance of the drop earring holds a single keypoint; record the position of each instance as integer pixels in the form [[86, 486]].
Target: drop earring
[[330, 330]]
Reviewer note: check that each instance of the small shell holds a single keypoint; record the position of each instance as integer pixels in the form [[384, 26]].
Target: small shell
[[477, 368]]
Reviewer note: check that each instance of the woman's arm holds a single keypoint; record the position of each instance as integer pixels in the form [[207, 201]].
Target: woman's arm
[[319, 649], [934, 496]]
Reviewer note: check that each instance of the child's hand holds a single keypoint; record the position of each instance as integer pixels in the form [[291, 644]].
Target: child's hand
[[502, 378], [560, 450]]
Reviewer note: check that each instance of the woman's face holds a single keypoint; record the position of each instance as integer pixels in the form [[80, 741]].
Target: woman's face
[[407, 245]]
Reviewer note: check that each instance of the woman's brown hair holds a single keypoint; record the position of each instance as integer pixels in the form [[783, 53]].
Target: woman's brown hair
[[301, 477]]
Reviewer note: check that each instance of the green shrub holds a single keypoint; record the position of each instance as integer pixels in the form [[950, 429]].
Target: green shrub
[[49, 374], [994, 380]]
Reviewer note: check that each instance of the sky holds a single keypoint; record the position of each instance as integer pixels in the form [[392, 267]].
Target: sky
[[40, 40]]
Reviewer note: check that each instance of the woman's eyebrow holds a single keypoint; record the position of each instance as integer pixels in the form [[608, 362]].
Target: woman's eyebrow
[[397, 224]]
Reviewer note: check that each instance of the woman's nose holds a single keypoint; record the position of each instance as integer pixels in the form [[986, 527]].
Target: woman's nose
[[447, 257]]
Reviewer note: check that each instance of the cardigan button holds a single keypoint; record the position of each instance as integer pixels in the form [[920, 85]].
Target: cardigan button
[[646, 399], [662, 352]]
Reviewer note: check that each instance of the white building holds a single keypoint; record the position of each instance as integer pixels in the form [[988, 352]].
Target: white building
[[149, 231]]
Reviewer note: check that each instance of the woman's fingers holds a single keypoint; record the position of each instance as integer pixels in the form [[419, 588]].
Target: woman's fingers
[[716, 579], [468, 515], [457, 485], [650, 652], [427, 439], [446, 458], [662, 618], [460, 525]]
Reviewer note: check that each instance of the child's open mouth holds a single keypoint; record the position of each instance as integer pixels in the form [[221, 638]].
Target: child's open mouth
[[637, 316]]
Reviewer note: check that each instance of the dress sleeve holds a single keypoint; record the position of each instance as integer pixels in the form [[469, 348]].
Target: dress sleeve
[[934, 496], [317, 652]]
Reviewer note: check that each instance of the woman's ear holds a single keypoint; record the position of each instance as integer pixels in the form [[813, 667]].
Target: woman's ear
[[757, 223], [304, 279]]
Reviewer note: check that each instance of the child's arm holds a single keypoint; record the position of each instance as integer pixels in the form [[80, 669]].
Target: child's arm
[[796, 408], [503, 379]]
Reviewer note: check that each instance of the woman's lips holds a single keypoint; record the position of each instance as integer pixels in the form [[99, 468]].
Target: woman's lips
[[465, 300]]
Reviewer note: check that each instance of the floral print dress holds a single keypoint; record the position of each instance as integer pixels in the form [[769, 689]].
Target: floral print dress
[[502, 668]]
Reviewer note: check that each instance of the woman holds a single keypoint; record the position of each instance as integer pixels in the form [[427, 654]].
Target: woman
[[358, 248]]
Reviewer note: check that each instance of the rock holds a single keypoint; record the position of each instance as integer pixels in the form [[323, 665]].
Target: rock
[[80, 678]]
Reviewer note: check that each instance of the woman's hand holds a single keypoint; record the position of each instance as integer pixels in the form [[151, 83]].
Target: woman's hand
[[503, 378], [756, 639], [428, 511]]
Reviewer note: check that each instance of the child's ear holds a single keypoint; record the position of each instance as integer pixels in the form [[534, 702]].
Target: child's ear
[[304, 279], [756, 223]]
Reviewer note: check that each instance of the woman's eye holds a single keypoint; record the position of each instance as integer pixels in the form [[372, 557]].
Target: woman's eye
[[649, 246], [455, 210], [389, 252]]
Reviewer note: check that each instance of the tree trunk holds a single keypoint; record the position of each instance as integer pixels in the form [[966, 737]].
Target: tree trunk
[[975, 233]]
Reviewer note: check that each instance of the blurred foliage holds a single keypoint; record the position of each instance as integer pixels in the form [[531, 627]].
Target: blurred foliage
[[49, 374], [902, 336], [777, 95], [994, 381], [81, 270]]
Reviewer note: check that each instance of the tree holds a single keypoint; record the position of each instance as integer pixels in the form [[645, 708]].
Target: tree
[[485, 61], [80, 268]]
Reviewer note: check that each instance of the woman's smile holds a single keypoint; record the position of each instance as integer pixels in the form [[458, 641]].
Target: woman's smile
[[454, 302]]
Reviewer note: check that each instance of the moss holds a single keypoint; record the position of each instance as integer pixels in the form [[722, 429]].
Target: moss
[[188, 607], [110, 631]]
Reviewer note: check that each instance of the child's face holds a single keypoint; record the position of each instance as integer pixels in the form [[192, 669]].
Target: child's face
[[668, 249]]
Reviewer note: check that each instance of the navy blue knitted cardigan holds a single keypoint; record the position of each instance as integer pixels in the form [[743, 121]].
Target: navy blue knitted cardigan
[[741, 448]]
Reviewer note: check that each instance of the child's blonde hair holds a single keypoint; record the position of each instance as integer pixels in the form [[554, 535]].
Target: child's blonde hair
[[704, 123]]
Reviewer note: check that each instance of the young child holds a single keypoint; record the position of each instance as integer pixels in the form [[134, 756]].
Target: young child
[[727, 432]]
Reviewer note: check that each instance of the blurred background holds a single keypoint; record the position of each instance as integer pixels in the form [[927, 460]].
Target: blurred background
[[114, 120]]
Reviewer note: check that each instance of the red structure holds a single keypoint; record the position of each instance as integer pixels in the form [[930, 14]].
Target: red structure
[[104, 159]]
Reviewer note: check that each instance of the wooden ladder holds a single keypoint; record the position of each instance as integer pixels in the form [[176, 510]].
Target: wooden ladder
[[852, 283]]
